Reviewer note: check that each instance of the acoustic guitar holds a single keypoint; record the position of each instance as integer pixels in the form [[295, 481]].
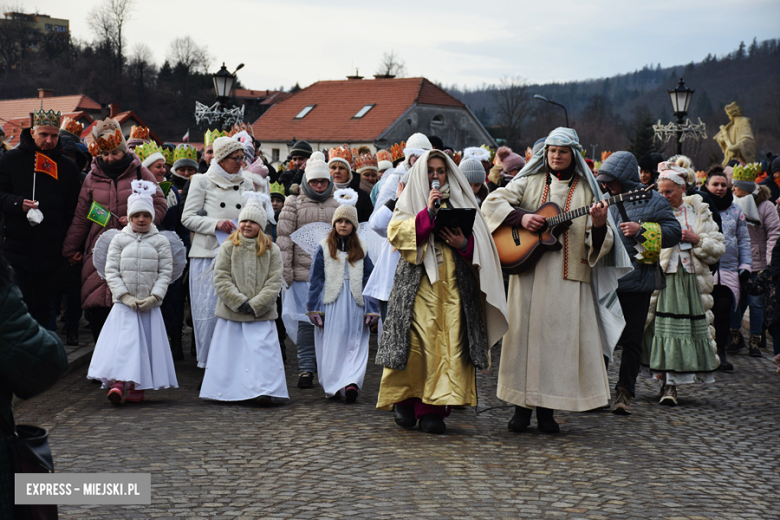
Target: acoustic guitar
[[520, 249]]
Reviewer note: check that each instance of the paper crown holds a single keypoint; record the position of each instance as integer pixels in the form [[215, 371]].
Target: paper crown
[[139, 132], [185, 151], [168, 154], [211, 135], [398, 151], [43, 117], [93, 149], [74, 127], [605, 155], [146, 150], [366, 161], [455, 156], [341, 152], [111, 141], [384, 155], [277, 189], [746, 173], [492, 151]]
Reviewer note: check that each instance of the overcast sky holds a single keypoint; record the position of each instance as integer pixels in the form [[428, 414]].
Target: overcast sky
[[467, 43]]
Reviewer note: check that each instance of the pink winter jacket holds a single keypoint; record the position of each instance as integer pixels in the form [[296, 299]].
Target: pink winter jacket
[[83, 233], [764, 237]]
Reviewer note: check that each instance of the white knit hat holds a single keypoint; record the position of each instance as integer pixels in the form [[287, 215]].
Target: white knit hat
[[384, 165], [316, 167], [347, 198], [256, 208], [473, 170], [417, 144], [152, 159], [224, 146], [141, 198]]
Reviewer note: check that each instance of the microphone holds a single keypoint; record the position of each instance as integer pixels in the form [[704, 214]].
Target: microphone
[[435, 186]]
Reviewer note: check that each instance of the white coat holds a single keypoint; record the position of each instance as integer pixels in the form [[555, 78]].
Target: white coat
[[139, 264]]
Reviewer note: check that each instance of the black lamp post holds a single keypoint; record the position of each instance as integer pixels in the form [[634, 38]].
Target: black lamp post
[[223, 85], [681, 99], [565, 112]]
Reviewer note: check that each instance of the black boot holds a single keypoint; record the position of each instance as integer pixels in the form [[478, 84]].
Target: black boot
[[404, 416], [72, 339], [725, 366], [193, 350], [521, 419], [176, 350], [545, 421]]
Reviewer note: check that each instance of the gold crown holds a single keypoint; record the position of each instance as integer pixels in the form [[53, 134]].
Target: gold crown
[[457, 157], [747, 173], [74, 127], [211, 135], [366, 161], [146, 150], [398, 151], [185, 151], [112, 142], [384, 155], [42, 117], [341, 152], [277, 189], [139, 132], [168, 154], [93, 149]]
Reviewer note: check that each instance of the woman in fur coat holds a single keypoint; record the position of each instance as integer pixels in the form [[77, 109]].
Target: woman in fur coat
[[132, 353], [244, 359], [679, 344], [341, 316]]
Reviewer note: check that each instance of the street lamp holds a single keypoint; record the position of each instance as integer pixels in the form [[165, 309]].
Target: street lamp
[[223, 85], [565, 112], [681, 99]]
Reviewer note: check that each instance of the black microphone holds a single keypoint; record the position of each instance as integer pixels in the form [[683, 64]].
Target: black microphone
[[435, 186]]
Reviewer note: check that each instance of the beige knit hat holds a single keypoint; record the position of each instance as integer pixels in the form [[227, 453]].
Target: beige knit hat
[[224, 146], [347, 198]]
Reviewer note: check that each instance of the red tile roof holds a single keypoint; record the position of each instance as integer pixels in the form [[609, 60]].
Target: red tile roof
[[332, 120], [18, 108]]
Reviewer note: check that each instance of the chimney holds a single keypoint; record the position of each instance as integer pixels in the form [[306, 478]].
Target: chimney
[[44, 93], [115, 110], [357, 76]]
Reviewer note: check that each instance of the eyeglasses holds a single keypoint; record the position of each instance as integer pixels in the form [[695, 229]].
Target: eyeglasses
[[237, 159], [319, 182]]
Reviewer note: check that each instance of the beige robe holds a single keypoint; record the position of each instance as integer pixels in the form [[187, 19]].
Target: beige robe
[[551, 355]]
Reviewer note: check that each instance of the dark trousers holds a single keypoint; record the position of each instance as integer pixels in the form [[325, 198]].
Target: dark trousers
[[38, 291], [69, 289], [172, 309], [635, 307], [97, 317], [723, 303]]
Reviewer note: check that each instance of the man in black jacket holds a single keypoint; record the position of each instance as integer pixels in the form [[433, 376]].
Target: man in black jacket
[[37, 176]]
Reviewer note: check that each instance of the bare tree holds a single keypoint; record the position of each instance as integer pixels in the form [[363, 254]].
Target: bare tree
[[513, 105], [391, 65], [15, 33], [184, 51], [108, 22], [141, 65]]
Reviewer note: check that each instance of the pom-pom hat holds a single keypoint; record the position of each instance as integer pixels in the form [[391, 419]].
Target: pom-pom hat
[[317, 168], [256, 209], [224, 146], [347, 198], [141, 199]]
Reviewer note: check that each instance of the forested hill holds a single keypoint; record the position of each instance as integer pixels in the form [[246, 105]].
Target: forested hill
[[609, 111]]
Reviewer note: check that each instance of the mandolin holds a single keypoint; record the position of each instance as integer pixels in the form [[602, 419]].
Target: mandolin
[[520, 249]]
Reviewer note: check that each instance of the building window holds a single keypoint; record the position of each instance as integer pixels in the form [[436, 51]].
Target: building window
[[48, 27], [305, 111], [274, 155], [437, 120], [363, 111]]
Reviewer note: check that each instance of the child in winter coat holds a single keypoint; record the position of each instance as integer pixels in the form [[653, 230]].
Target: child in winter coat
[[132, 353], [244, 359], [342, 317]]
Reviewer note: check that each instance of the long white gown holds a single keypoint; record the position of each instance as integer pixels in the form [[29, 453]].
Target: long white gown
[[203, 299], [133, 347]]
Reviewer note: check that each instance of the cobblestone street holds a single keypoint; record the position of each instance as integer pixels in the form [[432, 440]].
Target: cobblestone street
[[714, 456]]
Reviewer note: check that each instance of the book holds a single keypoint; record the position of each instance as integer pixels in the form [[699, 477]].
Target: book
[[452, 218]]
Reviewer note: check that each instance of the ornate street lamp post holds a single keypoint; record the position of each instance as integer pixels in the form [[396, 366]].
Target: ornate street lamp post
[[223, 85], [565, 112], [681, 100]]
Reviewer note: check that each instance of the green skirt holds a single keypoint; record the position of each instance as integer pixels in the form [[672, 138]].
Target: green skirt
[[677, 340]]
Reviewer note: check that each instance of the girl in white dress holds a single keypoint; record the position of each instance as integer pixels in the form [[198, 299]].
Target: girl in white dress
[[244, 360], [132, 353], [342, 317]]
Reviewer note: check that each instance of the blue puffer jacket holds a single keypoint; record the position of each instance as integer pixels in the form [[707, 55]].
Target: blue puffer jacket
[[622, 166]]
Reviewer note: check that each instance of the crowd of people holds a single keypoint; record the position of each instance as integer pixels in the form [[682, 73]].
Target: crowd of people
[[145, 239]]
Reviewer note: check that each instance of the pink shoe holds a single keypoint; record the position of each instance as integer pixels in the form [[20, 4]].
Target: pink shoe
[[135, 396], [117, 393]]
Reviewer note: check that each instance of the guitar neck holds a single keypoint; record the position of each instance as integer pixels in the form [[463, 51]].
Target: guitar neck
[[580, 212]]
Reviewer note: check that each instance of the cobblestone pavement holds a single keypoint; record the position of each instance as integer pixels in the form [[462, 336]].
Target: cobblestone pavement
[[713, 457]]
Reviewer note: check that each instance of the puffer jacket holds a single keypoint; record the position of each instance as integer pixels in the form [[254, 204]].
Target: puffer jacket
[[139, 264], [737, 255], [298, 211], [622, 166], [764, 237], [240, 276], [83, 233], [211, 198], [707, 252], [32, 359]]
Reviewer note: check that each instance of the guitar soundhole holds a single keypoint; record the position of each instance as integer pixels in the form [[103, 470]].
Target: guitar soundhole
[[516, 236]]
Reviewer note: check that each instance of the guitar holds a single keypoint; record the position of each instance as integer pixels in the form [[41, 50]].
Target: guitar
[[520, 249]]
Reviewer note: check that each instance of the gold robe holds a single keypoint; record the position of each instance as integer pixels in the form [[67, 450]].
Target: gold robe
[[439, 370]]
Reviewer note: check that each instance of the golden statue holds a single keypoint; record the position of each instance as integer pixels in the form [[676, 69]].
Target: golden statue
[[736, 138]]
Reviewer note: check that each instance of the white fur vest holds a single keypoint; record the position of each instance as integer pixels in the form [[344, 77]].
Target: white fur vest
[[334, 274]]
